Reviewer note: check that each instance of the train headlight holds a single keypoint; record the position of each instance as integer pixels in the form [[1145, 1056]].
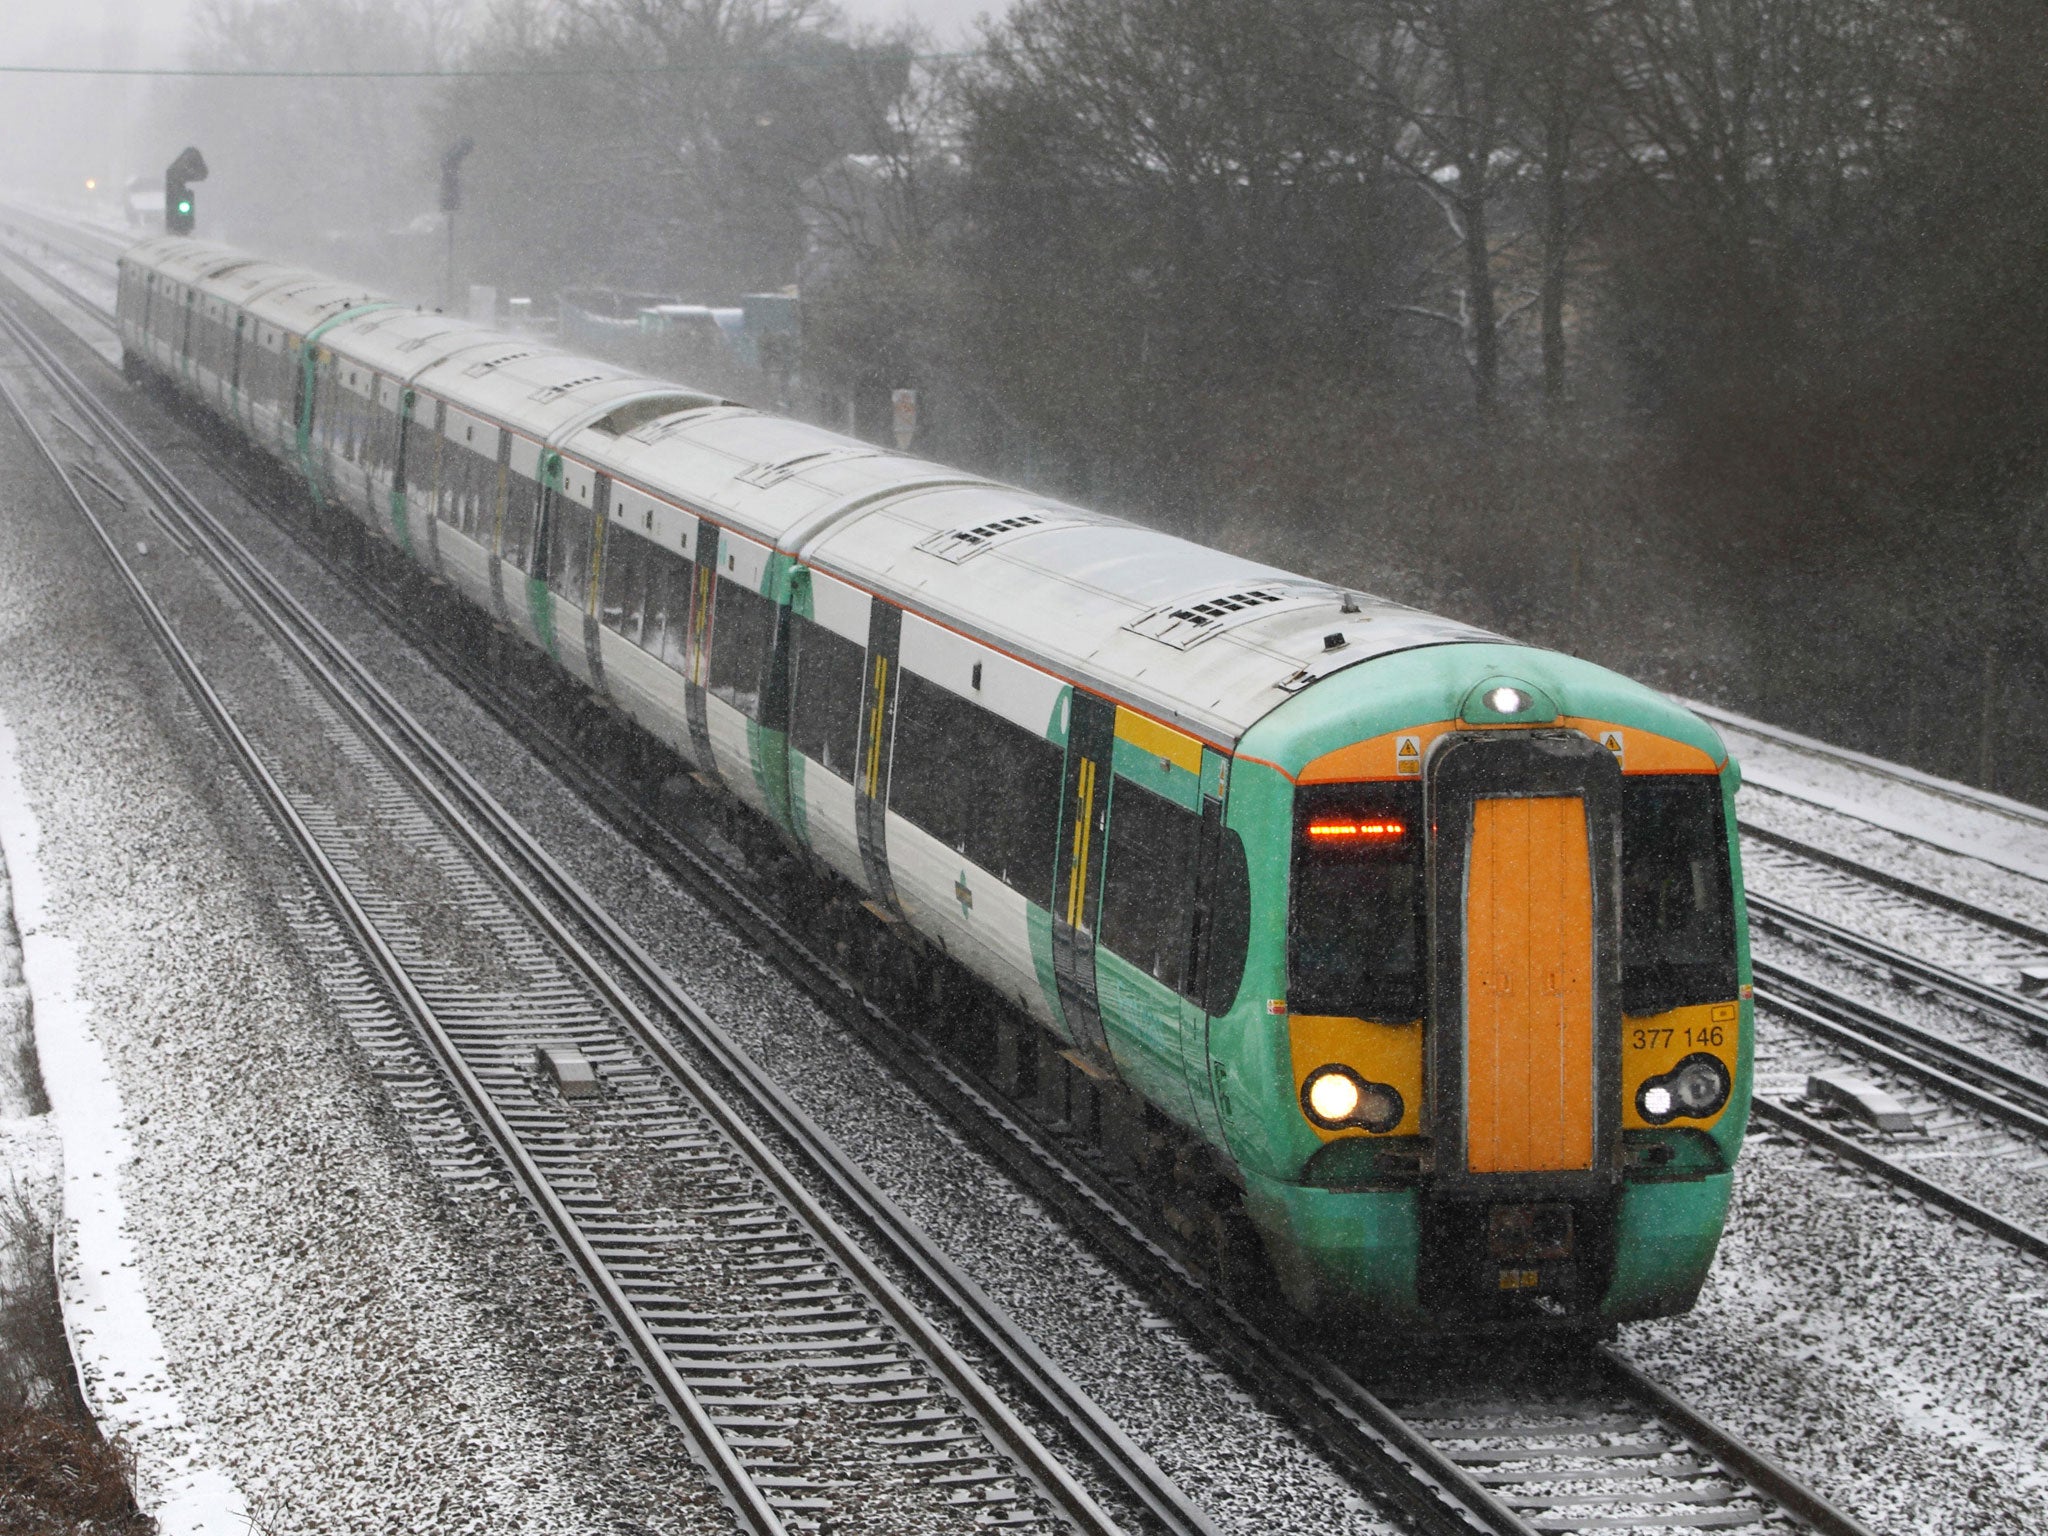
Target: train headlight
[[1337, 1098], [1332, 1096], [1507, 701], [1694, 1089]]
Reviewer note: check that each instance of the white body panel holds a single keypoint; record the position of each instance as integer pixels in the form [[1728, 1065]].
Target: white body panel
[[989, 932], [730, 759], [829, 826], [650, 692]]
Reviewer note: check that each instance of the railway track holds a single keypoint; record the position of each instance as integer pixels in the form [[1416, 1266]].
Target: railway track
[[807, 1381], [1982, 1098], [1948, 789], [32, 224], [1604, 1450]]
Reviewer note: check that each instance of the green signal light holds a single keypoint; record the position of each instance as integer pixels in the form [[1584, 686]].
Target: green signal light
[[186, 206]]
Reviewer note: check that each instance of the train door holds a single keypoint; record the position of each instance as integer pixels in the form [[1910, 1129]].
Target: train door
[[1526, 942], [232, 391], [1524, 1024], [532, 551], [1077, 884]]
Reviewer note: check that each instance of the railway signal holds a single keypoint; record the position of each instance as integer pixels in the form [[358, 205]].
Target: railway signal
[[451, 201], [179, 204]]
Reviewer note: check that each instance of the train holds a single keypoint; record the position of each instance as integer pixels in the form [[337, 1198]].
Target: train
[[1428, 945]]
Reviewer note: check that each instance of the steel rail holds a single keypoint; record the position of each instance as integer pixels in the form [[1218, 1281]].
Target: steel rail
[[1996, 1002], [1351, 1422], [1761, 1472], [102, 244], [463, 801], [1966, 1076], [1983, 1082], [2016, 927], [50, 280], [749, 1506], [2024, 1238], [1948, 789]]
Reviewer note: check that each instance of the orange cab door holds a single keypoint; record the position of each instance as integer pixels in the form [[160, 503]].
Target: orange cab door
[[1529, 969]]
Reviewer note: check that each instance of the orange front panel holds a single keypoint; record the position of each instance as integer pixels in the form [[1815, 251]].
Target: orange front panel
[[1529, 987]]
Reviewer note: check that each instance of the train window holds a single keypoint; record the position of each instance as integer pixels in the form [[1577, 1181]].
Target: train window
[[448, 486], [1148, 889], [827, 671], [419, 450], [1355, 944], [1230, 923], [469, 492], [987, 788], [522, 504], [323, 407], [623, 606], [742, 634], [569, 550], [644, 585], [381, 436], [481, 499], [671, 586], [1677, 911]]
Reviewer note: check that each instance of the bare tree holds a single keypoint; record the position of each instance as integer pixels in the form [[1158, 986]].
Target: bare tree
[[1563, 83], [1447, 70]]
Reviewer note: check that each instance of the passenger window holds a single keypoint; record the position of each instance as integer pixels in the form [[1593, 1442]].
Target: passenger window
[[1230, 923], [569, 550], [623, 608], [1355, 945], [984, 786], [1677, 910], [1148, 888], [827, 671], [683, 593], [522, 501], [742, 634]]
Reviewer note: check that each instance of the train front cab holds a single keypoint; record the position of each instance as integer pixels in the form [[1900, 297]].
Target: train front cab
[[1508, 1017]]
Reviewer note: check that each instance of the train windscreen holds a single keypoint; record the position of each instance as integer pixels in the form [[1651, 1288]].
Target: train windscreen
[[1677, 911], [1355, 941]]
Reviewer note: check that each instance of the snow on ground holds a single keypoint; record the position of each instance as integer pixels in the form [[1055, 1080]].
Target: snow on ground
[[361, 1349], [114, 1340], [1948, 815], [1884, 1353]]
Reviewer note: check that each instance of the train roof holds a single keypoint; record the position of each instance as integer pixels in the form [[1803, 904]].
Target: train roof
[[775, 479], [302, 301], [189, 261], [537, 389], [1208, 640]]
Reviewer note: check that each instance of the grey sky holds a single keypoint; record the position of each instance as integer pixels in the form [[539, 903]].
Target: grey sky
[[153, 31]]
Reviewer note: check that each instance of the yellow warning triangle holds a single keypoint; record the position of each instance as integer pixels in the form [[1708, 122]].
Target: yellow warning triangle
[[1408, 748], [1611, 741]]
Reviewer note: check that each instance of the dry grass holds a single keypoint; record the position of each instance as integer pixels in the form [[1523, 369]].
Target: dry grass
[[57, 1475], [59, 1478], [35, 1355]]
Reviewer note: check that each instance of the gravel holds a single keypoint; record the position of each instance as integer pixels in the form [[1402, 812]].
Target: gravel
[[366, 1350], [1882, 1352]]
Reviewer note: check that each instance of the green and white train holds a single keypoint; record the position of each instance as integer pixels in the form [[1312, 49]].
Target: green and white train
[[1432, 943]]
